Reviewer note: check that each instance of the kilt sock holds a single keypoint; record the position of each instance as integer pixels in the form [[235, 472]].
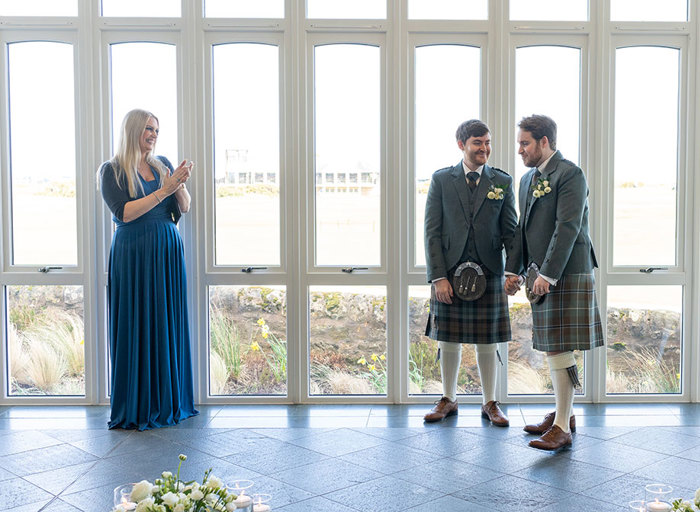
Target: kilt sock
[[450, 359], [563, 387], [487, 363]]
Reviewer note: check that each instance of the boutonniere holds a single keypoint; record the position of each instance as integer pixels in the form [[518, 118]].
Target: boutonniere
[[541, 188], [496, 192]]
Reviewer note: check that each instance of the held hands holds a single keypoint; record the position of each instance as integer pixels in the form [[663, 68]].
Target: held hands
[[178, 178], [513, 284], [540, 286], [443, 291]]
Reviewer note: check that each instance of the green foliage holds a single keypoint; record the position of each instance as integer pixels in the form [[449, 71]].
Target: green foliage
[[226, 341], [264, 189], [422, 362], [375, 371]]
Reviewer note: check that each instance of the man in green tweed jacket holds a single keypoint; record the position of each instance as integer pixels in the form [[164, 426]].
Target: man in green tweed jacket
[[553, 233], [469, 217]]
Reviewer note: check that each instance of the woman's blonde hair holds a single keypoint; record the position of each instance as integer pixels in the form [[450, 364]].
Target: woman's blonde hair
[[126, 160]]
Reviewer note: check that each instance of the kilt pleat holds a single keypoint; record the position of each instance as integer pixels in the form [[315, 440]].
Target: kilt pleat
[[485, 320], [568, 318]]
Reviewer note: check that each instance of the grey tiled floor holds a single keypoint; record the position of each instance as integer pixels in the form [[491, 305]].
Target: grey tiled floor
[[345, 458]]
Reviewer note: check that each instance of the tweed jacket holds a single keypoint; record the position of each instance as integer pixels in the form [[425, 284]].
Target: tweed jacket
[[553, 228], [448, 219]]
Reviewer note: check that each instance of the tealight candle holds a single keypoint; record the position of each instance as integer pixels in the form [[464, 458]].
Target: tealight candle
[[258, 500], [658, 506], [638, 506], [243, 500], [656, 497], [127, 505]]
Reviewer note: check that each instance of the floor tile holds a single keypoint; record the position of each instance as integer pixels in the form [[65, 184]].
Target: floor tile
[[282, 493], [447, 475], [389, 457], [616, 456], [511, 494], [271, 455], [445, 442], [568, 474], [673, 471], [58, 480], [317, 504], [17, 442], [45, 459], [58, 505], [451, 504], [18, 492], [659, 440], [391, 434], [326, 476], [338, 442], [579, 502], [385, 494]]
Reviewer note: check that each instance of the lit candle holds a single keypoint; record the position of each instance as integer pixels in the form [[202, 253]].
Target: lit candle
[[658, 506], [243, 500], [127, 505], [260, 506]]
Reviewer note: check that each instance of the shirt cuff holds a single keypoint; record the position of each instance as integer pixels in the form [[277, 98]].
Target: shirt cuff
[[437, 279], [551, 281]]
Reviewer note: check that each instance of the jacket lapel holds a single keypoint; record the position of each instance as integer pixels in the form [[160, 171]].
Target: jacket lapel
[[551, 168], [460, 182]]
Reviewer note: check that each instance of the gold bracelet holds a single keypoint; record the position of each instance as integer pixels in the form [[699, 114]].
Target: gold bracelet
[[156, 196]]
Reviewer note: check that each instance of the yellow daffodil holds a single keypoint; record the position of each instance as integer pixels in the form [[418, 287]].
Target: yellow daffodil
[[382, 357], [374, 357], [362, 360], [254, 346], [372, 367], [265, 335], [261, 321]]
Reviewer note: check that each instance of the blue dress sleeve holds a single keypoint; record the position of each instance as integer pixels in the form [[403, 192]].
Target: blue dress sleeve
[[114, 196]]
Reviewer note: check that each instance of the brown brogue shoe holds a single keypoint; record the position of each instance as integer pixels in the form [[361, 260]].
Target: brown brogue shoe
[[494, 414], [443, 408], [554, 439], [546, 423]]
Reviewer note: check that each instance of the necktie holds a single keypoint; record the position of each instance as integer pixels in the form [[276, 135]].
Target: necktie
[[471, 179], [535, 177]]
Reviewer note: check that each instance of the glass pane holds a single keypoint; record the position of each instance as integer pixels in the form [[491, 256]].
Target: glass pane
[[342, 9], [549, 10], [244, 8], [347, 345], [644, 339], [42, 120], [448, 9], [645, 188], [45, 340], [137, 8], [437, 115], [648, 10], [528, 371], [38, 7], [423, 368], [246, 154], [247, 340], [347, 128], [159, 60], [558, 99]]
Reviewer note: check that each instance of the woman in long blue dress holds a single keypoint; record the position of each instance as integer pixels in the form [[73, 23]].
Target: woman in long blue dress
[[147, 287]]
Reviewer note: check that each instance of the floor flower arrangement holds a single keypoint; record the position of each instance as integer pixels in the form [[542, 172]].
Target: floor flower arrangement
[[170, 494]]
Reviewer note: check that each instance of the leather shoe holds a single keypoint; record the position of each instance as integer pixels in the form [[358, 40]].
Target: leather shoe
[[494, 414], [554, 439], [443, 408], [546, 423]]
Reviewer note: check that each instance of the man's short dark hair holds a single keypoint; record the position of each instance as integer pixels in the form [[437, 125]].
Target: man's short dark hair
[[540, 126], [471, 128]]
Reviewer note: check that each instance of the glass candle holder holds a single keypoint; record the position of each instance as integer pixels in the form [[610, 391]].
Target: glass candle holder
[[122, 496], [241, 488], [658, 497], [260, 502], [638, 505]]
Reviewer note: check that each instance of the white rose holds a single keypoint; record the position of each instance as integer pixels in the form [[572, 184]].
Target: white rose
[[500, 196], [196, 495], [498, 190], [545, 183], [214, 482], [141, 490], [167, 474], [491, 195], [536, 194], [170, 499], [230, 507], [547, 190], [119, 508], [145, 504], [697, 498]]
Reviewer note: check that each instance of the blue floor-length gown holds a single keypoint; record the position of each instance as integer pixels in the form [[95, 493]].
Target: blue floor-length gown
[[148, 327]]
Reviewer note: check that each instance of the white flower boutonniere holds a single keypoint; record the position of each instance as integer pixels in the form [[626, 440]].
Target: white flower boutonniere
[[496, 192], [541, 188]]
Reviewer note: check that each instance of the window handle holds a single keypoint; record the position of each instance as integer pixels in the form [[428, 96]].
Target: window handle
[[350, 270], [47, 269], [248, 270], [649, 270]]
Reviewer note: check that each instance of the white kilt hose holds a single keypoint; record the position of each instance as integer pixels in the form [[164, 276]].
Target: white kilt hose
[[568, 318], [485, 320]]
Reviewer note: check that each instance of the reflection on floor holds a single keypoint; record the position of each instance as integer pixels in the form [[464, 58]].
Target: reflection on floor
[[344, 458]]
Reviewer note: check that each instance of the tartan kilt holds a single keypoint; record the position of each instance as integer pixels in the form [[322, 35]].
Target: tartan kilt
[[568, 318], [485, 320]]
